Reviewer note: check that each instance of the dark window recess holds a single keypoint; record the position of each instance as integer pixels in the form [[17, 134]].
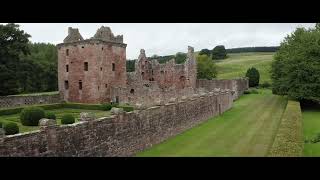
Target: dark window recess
[[142, 74], [86, 66], [132, 91], [117, 99], [152, 72], [161, 72], [98, 87], [106, 85], [100, 68], [113, 67], [66, 84], [67, 68], [67, 52], [102, 48], [82, 46], [80, 85]]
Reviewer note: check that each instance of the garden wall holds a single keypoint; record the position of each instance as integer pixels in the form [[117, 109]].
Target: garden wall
[[16, 101], [237, 86], [122, 134]]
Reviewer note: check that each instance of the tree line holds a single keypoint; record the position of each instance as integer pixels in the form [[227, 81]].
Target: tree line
[[254, 49], [25, 67]]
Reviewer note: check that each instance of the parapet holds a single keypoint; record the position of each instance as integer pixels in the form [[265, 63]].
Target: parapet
[[73, 35], [105, 34]]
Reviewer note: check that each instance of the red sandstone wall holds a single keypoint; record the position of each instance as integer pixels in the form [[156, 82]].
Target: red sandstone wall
[[97, 81]]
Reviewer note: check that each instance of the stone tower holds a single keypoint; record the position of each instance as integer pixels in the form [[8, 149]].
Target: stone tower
[[88, 69]]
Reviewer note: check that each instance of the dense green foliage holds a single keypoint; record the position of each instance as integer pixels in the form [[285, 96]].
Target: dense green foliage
[[25, 67], [311, 129], [219, 52], [296, 69], [265, 85], [13, 43], [126, 108], [30, 116], [205, 52], [11, 128], [289, 138], [67, 119], [50, 115], [130, 65], [253, 49], [254, 77], [206, 68]]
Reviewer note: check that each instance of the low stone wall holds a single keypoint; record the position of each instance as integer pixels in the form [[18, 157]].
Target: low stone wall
[[16, 101], [238, 86], [122, 134]]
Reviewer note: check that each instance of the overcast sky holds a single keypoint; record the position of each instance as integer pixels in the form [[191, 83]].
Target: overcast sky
[[169, 38]]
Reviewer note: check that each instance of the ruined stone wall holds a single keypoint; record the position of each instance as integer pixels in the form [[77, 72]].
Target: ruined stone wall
[[123, 134], [238, 86], [16, 101]]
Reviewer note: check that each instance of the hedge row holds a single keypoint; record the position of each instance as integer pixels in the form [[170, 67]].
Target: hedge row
[[101, 107], [289, 138]]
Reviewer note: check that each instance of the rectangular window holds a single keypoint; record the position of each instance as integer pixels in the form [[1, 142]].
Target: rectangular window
[[86, 66], [66, 84], [67, 68], [67, 52], [106, 85], [113, 67], [80, 85]]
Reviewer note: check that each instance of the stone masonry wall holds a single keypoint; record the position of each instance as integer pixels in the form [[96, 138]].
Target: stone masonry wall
[[16, 101], [237, 86], [122, 134]]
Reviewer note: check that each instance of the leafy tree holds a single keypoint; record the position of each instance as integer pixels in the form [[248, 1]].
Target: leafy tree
[[296, 68], [205, 52], [13, 43], [219, 52], [254, 77], [180, 58], [206, 68]]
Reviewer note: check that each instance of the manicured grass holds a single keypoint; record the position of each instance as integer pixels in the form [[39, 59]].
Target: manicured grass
[[58, 112], [38, 94], [237, 64], [311, 126], [248, 129]]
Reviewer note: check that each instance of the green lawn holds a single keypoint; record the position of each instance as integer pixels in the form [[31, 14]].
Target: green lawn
[[237, 64], [248, 129], [311, 126], [58, 112]]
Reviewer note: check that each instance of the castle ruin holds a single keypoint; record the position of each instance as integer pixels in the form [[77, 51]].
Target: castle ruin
[[94, 71]]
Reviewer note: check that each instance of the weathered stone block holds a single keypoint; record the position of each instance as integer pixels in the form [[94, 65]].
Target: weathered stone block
[[87, 116], [47, 122]]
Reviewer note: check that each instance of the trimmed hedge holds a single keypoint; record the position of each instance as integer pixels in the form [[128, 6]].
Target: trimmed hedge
[[83, 106], [67, 119], [11, 128], [126, 108], [50, 115], [106, 107], [289, 138], [9, 111], [30, 116]]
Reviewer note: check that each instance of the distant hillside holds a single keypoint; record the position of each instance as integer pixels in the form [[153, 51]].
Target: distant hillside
[[253, 49]]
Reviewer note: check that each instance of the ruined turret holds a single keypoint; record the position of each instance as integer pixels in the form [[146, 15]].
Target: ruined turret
[[105, 34], [73, 35]]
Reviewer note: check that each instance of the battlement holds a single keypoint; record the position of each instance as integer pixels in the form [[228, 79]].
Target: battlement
[[103, 34]]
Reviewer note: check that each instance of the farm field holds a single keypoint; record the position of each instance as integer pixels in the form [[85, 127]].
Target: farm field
[[248, 129], [237, 64], [58, 112], [311, 127]]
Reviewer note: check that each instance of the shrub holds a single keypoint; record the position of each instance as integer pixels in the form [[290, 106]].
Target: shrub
[[265, 85], [67, 119], [82, 106], [251, 91], [11, 128], [254, 77], [30, 116], [50, 115], [106, 107]]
